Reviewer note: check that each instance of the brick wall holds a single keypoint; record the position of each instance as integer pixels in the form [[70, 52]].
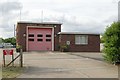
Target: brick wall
[[92, 46], [21, 30]]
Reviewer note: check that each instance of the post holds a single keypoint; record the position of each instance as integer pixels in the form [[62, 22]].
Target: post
[[3, 60], [12, 59], [21, 58], [42, 16]]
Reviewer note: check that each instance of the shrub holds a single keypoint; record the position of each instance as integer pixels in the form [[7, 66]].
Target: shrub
[[63, 48], [111, 39], [18, 47]]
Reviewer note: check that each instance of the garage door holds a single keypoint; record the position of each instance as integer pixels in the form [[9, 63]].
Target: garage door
[[39, 39]]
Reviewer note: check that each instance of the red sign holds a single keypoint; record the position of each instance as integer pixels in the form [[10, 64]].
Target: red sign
[[8, 52]]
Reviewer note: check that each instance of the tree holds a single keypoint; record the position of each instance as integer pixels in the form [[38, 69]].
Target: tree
[[1, 40], [10, 40], [111, 39]]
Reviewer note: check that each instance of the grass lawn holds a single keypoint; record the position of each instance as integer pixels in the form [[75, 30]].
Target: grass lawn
[[11, 72], [0, 72]]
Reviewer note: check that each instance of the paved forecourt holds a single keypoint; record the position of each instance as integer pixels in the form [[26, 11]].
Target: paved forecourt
[[66, 65]]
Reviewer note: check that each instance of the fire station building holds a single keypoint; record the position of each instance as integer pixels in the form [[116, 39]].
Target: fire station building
[[47, 36]]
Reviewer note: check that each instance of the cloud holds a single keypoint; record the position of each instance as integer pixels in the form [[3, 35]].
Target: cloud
[[9, 14], [77, 24], [8, 7], [76, 15], [112, 18]]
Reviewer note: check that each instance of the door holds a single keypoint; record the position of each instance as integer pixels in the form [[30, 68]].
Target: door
[[39, 39]]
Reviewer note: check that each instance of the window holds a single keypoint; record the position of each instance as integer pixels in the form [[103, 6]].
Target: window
[[31, 35], [81, 39], [31, 39], [39, 35], [48, 35], [39, 39], [48, 40]]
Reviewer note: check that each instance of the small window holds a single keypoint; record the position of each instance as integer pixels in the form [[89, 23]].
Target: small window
[[81, 39], [31, 35], [48, 40], [39, 35], [39, 39], [31, 39], [48, 35]]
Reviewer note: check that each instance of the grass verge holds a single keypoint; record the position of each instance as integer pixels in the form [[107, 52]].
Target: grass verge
[[12, 72], [0, 72]]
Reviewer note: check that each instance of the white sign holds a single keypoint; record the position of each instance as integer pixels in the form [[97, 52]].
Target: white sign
[[68, 42]]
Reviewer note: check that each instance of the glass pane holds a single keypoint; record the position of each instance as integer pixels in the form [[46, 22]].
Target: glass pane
[[31, 39], [48, 35], [83, 39], [39, 35], [77, 40], [39, 39], [48, 39], [31, 35]]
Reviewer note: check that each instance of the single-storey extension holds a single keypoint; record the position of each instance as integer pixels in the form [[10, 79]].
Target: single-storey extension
[[83, 42], [47, 36]]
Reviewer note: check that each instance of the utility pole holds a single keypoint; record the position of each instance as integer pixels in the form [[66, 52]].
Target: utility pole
[[20, 14], [14, 30], [42, 16], [119, 11]]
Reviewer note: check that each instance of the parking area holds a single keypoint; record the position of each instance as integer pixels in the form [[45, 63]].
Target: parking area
[[67, 65]]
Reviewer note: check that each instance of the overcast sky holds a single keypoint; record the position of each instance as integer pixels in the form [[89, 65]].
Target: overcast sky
[[76, 15]]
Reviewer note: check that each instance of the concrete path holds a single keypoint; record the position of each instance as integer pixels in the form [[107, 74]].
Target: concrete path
[[65, 65]]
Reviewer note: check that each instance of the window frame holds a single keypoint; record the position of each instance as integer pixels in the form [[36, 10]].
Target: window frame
[[79, 38]]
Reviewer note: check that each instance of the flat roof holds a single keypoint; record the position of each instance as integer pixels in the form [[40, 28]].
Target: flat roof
[[30, 22], [79, 33]]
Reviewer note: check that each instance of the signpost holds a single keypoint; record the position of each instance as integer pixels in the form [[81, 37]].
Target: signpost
[[7, 52], [10, 52]]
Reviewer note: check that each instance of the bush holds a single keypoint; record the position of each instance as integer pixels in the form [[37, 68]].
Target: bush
[[111, 39], [18, 48], [63, 48]]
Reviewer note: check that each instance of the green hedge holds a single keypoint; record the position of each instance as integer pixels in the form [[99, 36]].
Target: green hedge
[[111, 39]]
